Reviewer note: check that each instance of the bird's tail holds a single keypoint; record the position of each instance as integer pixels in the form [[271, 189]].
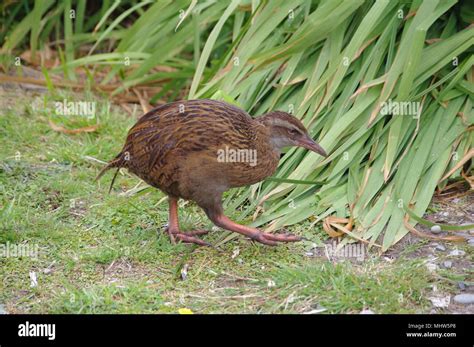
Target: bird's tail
[[117, 162]]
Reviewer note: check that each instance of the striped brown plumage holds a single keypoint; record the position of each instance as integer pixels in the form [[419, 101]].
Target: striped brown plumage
[[175, 148]]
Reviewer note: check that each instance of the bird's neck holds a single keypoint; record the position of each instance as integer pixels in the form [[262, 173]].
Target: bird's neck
[[267, 158], [267, 139]]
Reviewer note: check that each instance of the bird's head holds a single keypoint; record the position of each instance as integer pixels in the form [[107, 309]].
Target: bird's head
[[286, 130]]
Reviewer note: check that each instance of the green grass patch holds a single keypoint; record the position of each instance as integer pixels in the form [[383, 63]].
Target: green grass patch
[[101, 253]]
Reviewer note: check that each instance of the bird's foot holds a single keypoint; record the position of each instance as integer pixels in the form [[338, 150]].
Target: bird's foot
[[273, 239], [188, 237]]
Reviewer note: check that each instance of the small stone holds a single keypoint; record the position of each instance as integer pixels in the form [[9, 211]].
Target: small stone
[[47, 271], [367, 311], [470, 242], [440, 248], [456, 252], [462, 285], [309, 254], [270, 284], [2, 309], [448, 264], [435, 229], [464, 299]]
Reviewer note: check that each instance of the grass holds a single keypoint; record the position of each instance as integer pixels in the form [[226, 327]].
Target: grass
[[333, 64], [346, 288], [101, 253]]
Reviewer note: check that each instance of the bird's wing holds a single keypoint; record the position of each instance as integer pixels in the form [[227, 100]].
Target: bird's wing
[[185, 128]]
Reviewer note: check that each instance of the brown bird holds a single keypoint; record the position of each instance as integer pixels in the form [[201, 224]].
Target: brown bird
[[198, 149]]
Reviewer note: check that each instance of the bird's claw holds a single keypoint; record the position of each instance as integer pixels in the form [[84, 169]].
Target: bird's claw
[[273, 239], [184, 237], [188, 237]]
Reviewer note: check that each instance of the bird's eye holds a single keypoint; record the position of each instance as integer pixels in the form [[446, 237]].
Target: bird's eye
[[294, 132]]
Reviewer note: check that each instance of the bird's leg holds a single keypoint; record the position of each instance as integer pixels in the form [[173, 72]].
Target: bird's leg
[[173, 227], [266, 238]]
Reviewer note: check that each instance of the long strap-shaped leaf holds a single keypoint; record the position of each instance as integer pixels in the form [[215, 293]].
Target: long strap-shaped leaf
[[286, 180]]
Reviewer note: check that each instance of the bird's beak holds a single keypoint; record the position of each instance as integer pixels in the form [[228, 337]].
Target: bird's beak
[[310, 144]]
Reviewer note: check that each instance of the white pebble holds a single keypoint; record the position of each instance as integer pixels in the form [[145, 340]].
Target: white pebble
[[464, 299], [456, 252], [448, 264]]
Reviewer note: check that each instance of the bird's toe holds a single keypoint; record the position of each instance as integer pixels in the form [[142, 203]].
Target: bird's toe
[[273, 239], [189, 238]]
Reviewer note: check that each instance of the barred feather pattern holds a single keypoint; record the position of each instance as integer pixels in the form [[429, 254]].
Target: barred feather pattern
[[174, 148]]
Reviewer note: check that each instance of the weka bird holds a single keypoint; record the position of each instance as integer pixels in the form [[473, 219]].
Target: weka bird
[[178, 148]]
